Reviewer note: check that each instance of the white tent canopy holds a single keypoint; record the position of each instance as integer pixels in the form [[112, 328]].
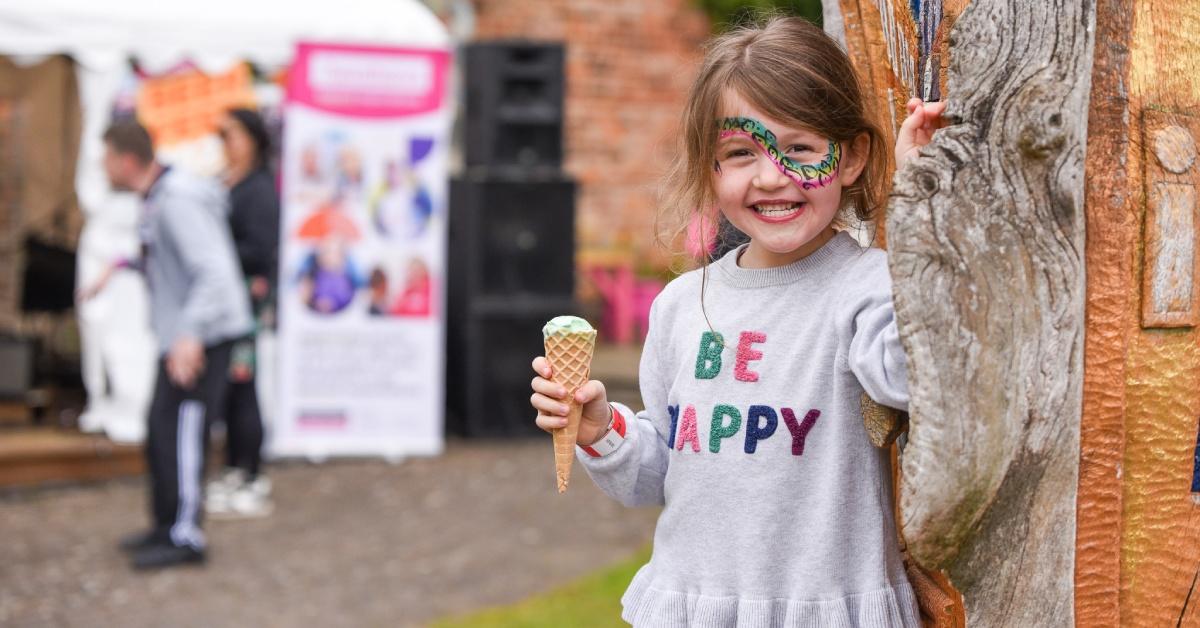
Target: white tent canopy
[[161, 34], [211, 33]]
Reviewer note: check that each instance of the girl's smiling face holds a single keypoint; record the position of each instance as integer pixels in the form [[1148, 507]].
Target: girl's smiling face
[[779, 184]]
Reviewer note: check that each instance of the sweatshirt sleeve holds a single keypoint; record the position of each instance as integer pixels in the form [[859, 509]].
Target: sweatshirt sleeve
[[634, 473], [876, 356], [204, 246]]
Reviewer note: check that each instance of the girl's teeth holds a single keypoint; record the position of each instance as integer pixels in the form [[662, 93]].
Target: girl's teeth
[[776, 209]]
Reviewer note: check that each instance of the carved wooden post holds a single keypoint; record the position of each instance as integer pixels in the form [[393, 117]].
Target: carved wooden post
[[986, 241], [1138, 544], [1113, 232]]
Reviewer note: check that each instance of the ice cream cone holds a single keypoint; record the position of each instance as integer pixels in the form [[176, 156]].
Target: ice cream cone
[[569, 351]]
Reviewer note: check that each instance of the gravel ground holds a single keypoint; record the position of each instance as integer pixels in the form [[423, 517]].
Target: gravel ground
[[351, 543]]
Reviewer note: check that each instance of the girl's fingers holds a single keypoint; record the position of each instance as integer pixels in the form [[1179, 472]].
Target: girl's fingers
[[548, 388], [541, 366], [932, 115], [594, 389], [548, 406], [911, 123], [550, 422]]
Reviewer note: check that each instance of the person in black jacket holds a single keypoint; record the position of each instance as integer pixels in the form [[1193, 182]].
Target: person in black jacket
[[241, 491]]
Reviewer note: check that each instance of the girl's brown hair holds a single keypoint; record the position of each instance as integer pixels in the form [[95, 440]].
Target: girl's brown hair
[[795, 73]]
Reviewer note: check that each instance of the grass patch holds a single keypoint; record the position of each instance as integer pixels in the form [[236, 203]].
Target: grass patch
[[593, 601]]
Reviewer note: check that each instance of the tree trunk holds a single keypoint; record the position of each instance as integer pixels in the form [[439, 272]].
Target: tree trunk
[[986, 241]]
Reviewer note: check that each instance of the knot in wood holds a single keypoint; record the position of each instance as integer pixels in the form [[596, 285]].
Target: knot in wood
[[1040, 140], [1175, 148], [927, 183]]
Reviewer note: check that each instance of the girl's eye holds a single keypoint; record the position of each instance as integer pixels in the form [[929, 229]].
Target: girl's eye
[[799, 148], [736, 152]]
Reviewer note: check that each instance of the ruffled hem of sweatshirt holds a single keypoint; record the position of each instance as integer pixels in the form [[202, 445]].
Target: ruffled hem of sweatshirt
[[646, 605]]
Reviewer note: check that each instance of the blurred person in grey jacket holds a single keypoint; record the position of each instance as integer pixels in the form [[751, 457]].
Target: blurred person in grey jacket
[[198, 310]]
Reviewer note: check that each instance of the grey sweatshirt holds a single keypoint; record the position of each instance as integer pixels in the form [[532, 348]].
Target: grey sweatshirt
[[777, 508], [196, 288]]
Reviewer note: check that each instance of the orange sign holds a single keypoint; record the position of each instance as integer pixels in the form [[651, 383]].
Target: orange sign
[[186, 105]]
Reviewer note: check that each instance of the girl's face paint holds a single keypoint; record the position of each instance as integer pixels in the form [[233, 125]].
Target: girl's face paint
[[778, 184], [807, 176]]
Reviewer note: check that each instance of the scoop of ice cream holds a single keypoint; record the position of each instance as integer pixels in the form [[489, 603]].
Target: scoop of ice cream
[[562, 325]]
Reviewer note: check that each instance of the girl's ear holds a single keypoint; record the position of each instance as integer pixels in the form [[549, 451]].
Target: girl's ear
[[854, 159]]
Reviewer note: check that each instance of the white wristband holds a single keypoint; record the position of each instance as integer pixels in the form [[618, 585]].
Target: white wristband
[[611, 440]]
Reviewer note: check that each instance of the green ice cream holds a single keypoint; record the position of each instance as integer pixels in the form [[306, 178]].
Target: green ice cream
[[562, 325]]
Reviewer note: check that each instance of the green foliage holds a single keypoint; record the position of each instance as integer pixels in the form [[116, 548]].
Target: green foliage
[[726, 13], [591, 602]]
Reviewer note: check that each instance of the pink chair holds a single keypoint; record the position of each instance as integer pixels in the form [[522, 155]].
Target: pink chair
[[615, 283], [644, 293], [626, 299]]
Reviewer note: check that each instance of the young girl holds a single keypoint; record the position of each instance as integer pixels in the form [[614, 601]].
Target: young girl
[[777, 510]]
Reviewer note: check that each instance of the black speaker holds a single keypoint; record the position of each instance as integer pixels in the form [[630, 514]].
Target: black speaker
[[512, 238], [49, 278], [514, 105], [491, 348], [511, 269]]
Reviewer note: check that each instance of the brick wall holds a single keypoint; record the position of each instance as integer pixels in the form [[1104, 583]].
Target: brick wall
[[629, 64]]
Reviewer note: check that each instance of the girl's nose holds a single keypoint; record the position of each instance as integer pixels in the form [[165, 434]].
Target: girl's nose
[[768, 176]]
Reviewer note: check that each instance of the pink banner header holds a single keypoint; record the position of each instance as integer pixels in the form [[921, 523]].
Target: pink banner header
[[368, 81]]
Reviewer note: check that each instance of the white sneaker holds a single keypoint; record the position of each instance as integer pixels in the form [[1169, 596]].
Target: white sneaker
[[226, 483], [250, 500], [260, 485]]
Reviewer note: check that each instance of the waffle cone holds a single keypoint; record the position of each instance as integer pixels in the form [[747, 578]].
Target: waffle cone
[[570, 357]]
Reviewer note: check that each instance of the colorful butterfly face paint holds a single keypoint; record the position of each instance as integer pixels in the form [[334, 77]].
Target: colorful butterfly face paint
[[807, 176]]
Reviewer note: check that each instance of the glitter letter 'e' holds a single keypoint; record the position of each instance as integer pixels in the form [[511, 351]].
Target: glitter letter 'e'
[[747, 354]]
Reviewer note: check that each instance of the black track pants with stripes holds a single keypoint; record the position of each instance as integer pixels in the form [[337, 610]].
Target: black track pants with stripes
[[177, 445]]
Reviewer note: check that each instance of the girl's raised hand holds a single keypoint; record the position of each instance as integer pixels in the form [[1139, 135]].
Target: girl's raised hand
[[549, 399], [917, 130]]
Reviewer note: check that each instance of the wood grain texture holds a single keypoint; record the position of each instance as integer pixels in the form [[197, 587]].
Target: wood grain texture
[[951, 9], [986, 241], [883, 424], [881, 39], [1160, 529], [1112, 233], [1161, 532]]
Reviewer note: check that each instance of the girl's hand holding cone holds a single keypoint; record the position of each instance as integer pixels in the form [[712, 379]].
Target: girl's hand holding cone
[[550, 401], [570, 342]]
